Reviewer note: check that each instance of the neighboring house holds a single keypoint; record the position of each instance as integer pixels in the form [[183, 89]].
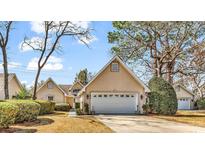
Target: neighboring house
[[72, 91], [51, 91], [114, 90], [60, 94], [185, 97], [14, 85]]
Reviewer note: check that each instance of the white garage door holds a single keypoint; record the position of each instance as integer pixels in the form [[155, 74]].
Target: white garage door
[[184, 104], [114, 103]]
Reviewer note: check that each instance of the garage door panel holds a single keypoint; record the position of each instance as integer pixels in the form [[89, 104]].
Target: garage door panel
[[114, 103], [184, 104]]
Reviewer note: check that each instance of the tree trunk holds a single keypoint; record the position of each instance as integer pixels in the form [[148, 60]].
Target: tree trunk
[[169, 74], [156, 64], [5, 66], [200, 92], [36, 83]]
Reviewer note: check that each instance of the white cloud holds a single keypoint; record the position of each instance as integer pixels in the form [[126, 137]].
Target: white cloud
[[83, 24], [12, 65], [28, 84], [53, 64], [24, 82], [35, 41], [37, 26], [87, 40]]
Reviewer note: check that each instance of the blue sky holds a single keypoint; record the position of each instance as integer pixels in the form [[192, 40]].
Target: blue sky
[[63, 66]]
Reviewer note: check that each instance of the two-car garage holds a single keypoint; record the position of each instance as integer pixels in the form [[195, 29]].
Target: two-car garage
[[114, 103], [115, 89]]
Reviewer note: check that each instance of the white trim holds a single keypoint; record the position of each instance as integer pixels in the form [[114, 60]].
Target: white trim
[[125, 66]]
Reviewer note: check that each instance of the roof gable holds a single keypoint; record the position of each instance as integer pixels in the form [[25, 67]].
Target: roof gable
[[51, 80], [77, 82], [11, 76], [65, 88], [116, 58], [184, 88]]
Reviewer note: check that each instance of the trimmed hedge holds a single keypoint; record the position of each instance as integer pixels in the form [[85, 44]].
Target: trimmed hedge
[[46, 107], [12, 111], [162, 99], [8, 114], [201, 103], [28, 110], [62, 107]]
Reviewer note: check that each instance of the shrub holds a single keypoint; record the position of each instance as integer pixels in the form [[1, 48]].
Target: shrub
[[79, 111], [201, 103], [86, 108], [145, 108], [8, 114], [62, 107], [162, 98], [27, 110], [23, 94], [46, 107], [77, 105]]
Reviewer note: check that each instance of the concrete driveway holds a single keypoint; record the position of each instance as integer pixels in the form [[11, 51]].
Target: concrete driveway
[[146, 124]]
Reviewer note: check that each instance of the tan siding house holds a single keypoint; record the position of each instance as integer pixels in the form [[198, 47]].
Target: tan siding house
[[61, 94], [52, 92], [185, 97], [72, 92], [115, 89], [14, 85]]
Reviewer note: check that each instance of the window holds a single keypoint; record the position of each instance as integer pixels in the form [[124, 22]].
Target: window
[[116, 95], [76, 90], [127, 95], [121, 95], [50, 85], [50, 98], [110, 95], [105, 95], [94, 95], [132, 95], [99, 95], [115, 67]]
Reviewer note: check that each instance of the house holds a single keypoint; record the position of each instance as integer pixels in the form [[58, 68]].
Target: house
[[14, 85], [114, 90], [61, 94], [72, 91], [185, 97]]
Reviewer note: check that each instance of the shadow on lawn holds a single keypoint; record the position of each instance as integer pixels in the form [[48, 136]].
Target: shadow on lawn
[[17, 130], [56, 114], [38, 122]]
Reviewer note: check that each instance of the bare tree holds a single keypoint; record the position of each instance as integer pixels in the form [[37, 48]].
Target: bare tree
[[5, 28], [160, 46], [49, 42], [192, 70]]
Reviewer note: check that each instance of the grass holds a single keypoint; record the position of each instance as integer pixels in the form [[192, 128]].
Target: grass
[[59, 122], [193, 117]]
